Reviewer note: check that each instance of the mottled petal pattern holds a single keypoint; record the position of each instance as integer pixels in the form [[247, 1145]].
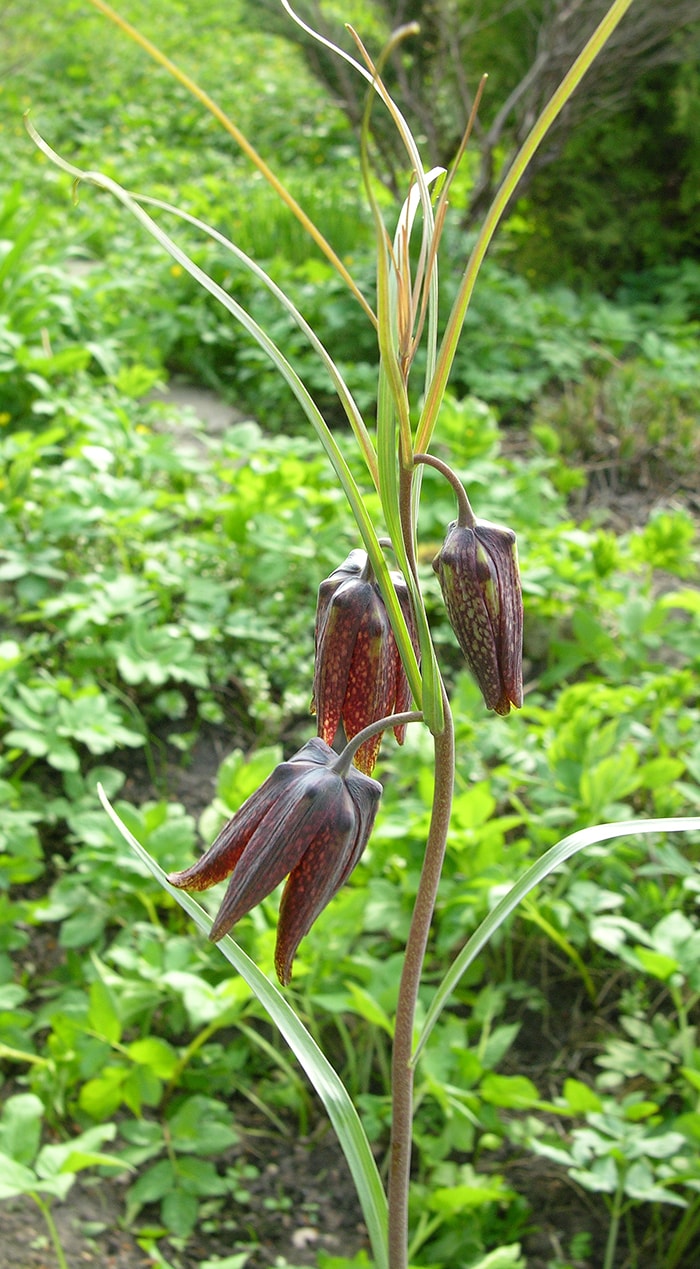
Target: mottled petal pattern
[[358, 673], [478, 573]]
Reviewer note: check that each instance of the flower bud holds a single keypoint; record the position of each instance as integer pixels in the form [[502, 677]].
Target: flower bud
[[358, 674], [478, 572]]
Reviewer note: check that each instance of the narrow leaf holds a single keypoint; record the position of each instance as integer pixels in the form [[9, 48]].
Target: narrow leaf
[[324, 1078], [551, 860]]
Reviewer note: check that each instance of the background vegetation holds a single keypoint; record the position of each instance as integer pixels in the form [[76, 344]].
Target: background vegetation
[[157, 589]]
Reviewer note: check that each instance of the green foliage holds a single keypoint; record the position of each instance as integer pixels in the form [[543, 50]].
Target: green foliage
[[622, 198], [146, 572]]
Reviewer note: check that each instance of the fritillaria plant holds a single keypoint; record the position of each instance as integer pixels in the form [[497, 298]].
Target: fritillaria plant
[[311, 819]]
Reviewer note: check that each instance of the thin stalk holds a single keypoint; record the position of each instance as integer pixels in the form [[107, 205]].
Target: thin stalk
[[53, 1232], [685, 1236], [615, 1216], [402, 1069], [344, 760], [465, 516]]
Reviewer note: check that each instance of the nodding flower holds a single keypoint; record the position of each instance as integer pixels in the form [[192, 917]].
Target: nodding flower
[[310, 822], [358, 673], [477, 567]]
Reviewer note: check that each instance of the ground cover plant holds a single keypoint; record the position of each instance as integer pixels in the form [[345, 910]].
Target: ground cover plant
[[145, 585]]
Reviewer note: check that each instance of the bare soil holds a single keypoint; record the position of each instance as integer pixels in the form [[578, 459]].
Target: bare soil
[[302, 1202]]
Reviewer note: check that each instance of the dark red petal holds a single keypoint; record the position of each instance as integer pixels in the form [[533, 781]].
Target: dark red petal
[[279, 842], [223, 855], [315, 751], [310, 887], [371, 688], [335, 651], [366, 795], [353, 566], [500, 544], [461, 579], [324, 868]]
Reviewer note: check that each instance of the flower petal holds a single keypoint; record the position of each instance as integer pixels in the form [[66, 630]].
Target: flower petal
[[503, 551], [334, 653], [280, 841], [323, 869], [371, 686], [223, 855]]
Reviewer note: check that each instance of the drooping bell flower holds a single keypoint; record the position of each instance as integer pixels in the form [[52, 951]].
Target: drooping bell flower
[[477, 567], [358, 673], [310, 822]]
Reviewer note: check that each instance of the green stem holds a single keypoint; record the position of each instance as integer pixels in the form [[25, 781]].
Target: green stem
[[615, 1215], [53, 1232], [343, 762], [465, 516], [402, 1069]]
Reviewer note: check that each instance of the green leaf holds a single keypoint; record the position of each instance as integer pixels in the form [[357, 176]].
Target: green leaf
[[102, 1016], [656, 963], [452, 1200], [511, 1092], [580, 1098], [101, 1097], [15, 1178], [156, 1054], [556, 855], [152, 1185], [324, 1078], [201, 1125], [502, 1258], [20, 1127], [179, 1211]]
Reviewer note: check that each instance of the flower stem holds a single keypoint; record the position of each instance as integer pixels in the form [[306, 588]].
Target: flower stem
[[402, 1070], [342, 764], [465, 516]]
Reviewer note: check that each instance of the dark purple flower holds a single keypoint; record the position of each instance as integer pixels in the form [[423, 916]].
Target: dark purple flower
[[358, 674], [478, 572], [307, 823]]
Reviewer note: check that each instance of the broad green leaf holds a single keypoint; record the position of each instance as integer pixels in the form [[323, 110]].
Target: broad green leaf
[[502, 1258], [453, 1199], [102, 1096], [15, 1178], [179, 1211], [511, 1092], [155, 1053], [656, 963], [202, 1126], [153, 1184], [20, 1127], [580, 1098]]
